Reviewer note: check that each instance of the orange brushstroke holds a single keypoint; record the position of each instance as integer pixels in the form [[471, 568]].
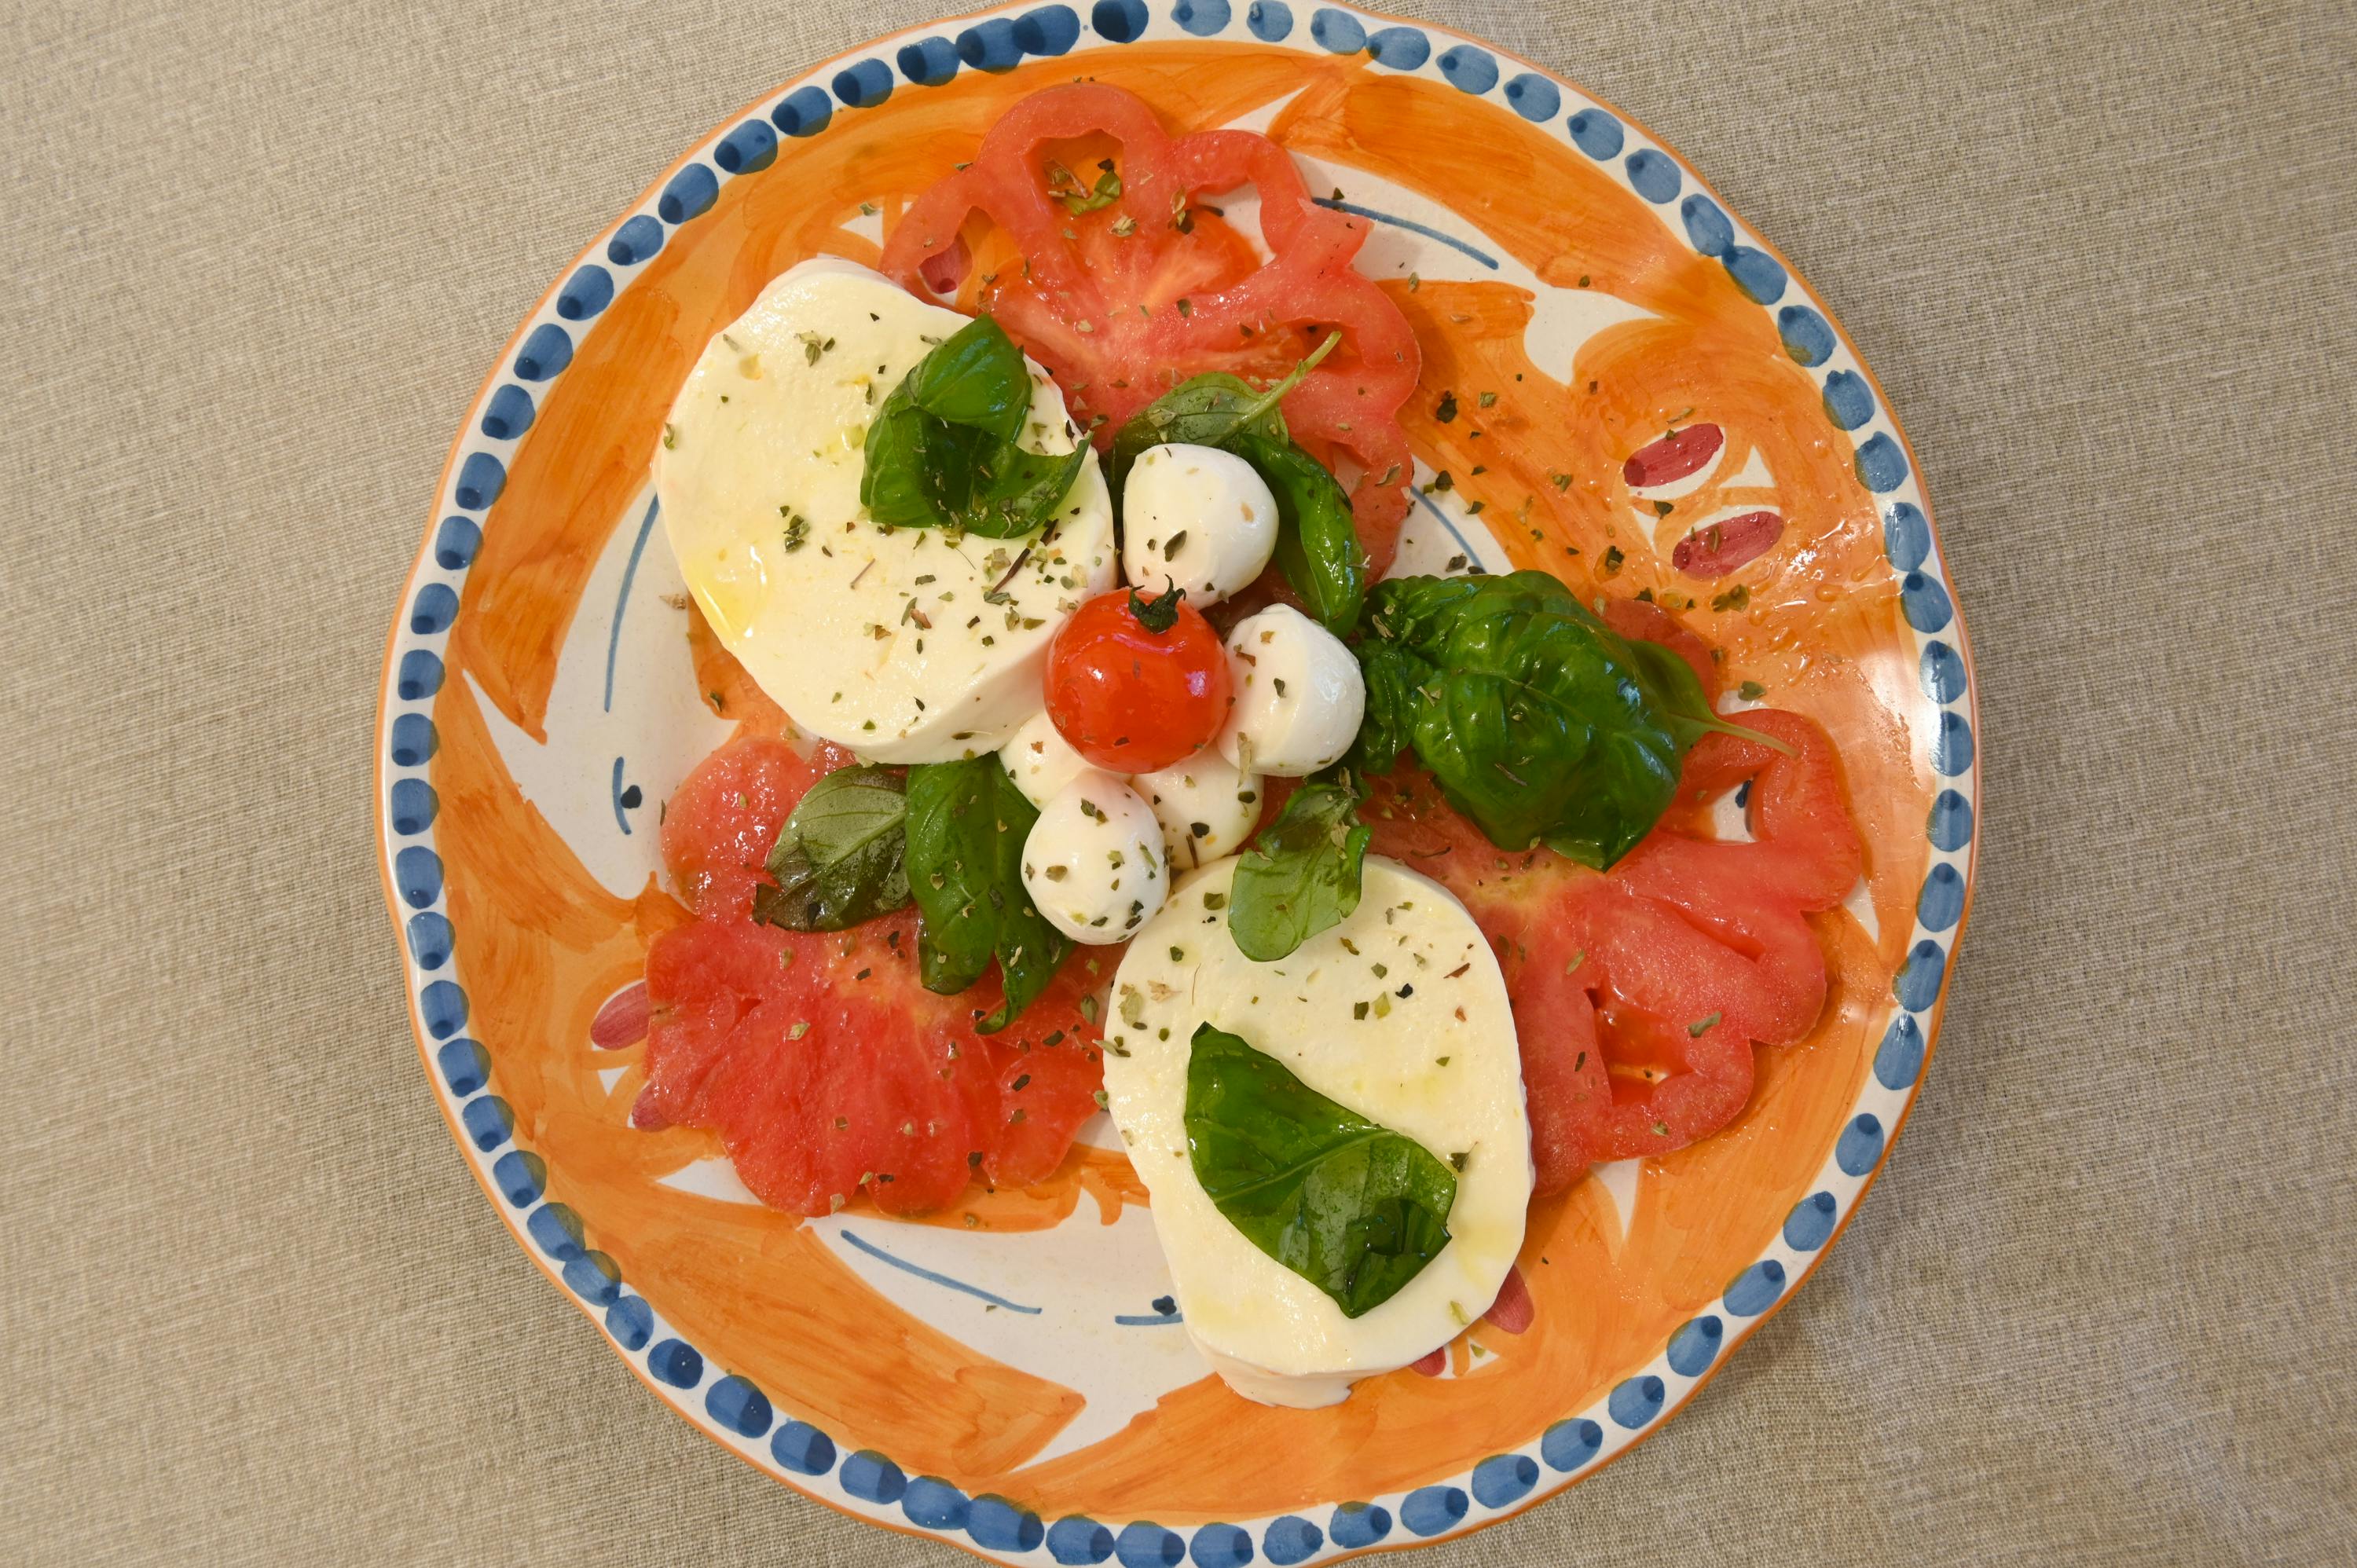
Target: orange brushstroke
[[543, 945]]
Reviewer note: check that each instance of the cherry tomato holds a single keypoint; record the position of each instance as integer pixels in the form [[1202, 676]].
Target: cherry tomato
[[1137, 684]]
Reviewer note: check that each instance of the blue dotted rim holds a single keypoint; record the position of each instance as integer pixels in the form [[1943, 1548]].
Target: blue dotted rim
[[870, 1485]]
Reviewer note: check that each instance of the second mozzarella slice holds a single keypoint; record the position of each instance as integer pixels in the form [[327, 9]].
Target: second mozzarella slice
[[1399, 1014]]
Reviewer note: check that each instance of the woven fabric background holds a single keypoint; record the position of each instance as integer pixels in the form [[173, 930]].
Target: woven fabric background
[[2103, 1306]]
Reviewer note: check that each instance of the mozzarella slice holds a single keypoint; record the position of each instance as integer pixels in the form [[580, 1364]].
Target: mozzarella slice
[[878, 638], [1040, 760], [1299, 695], [1196, 516], [1435, 1057], [1207, 809], [1092, 863]]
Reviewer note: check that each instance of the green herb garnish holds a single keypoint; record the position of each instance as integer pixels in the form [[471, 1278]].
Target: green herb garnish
[[1317, 541], [1066, 186]]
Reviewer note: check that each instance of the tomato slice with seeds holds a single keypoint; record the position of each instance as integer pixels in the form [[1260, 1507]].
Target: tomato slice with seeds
[[1125, 280], [823, 1063]]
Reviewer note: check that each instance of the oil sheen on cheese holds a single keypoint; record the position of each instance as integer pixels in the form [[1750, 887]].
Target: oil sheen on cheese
[[906, 645], [1399, 1013]]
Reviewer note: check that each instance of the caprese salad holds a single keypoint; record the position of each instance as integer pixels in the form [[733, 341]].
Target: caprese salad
[[1115, 771]]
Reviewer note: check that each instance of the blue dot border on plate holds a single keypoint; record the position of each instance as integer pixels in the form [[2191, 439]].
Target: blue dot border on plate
[[869, 1484]]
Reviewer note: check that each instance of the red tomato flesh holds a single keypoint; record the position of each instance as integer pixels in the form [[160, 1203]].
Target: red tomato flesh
[[824, 1064], [1124, 300], [1131, 699]]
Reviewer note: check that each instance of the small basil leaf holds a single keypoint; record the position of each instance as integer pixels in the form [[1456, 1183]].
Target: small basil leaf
[[974, 377], [941, 451], [841, 857], [1301, 875], [1318, 545], [1016, 492], [899, 483], [1212, 410], [1351, 1206], [967, 822]]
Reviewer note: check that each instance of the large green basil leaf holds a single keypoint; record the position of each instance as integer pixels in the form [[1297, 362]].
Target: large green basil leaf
[[1301, 874], [841, 857], [918, 469], [1318, 545], [942, 450], [967, 822], [1351, 1206], [1539, 721]]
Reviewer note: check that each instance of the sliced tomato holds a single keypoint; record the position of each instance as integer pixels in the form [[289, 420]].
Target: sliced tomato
[[719, 825], [823, 1063], [1145, 288]]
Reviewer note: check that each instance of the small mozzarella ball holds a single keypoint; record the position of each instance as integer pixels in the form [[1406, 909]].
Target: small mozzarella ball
[[1040, 760], [1196, 516], [1206, 807], [1299, 695], [1092, 863]]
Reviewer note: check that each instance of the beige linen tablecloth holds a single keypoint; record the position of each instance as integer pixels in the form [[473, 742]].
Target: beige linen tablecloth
[[2101, 1307]]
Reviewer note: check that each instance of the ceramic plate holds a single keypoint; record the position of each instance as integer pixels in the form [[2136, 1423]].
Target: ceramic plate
[[1010, 1379]]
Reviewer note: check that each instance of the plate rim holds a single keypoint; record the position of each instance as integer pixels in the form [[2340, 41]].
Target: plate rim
[[1968, 782]]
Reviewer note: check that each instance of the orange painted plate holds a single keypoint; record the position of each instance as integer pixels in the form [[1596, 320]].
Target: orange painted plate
[[1009, 1377]]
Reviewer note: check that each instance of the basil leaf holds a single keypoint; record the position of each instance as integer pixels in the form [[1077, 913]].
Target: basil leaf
[[1316, 538], [974, 377], [1539, 721], [1351, 1206], [967, 822], [1392, 676], [841, 857], [941, 451], [1301, 875], [911, 459], [1211, 410], [1018, 491]]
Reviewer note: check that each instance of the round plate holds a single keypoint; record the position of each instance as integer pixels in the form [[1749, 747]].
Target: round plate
[[1009, 1377]]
